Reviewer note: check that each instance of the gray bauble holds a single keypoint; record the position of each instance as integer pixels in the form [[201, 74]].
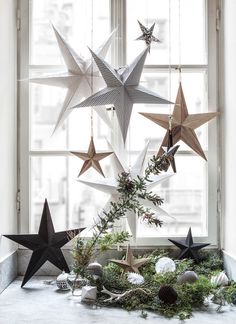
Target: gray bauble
[[188, 277], [95, 269]]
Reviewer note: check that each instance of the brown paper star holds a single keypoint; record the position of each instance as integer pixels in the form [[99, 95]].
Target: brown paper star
[[91, 158], [130, 263], [183, 124]]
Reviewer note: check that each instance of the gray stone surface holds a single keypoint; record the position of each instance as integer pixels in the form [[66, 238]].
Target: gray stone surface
[[44, 304], [8, 271]]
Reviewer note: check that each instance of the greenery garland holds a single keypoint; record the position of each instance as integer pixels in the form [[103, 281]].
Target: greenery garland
[[145, 296], [190, 296], [130, 191]]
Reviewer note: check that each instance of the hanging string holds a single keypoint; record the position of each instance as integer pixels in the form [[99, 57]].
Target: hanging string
[[179, 41], [170, 108], [91, 117]]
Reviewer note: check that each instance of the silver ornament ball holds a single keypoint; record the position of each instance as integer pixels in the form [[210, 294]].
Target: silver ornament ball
[[188, 277], [95, 269]]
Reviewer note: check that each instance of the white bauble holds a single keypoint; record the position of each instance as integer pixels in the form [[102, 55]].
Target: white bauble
[[62, 282], [164, 265], [220, 279], [135, 278]]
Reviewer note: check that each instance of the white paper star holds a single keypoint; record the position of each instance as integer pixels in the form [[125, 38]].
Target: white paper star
[[110, 185], [122, 90], [77, 79]]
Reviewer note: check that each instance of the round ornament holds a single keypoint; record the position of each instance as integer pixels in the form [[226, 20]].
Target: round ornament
[[188, 277], [167, 294], [164, 265], [135, 278], [95, 269], [61, 281], [220, 279]]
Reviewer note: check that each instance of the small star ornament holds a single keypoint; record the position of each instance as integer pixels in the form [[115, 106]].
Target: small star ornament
[[183, 124], [147, 34], [46, 245], [130, 264], [188, 248], [91, 158]]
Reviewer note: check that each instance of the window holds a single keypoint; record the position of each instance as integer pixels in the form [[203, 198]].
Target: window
[[187, 34]]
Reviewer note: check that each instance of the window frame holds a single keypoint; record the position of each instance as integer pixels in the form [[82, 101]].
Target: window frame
[[118, 14]]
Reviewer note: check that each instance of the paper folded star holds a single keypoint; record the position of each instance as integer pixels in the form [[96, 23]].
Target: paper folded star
[[169, 152], [188, 248], [91, 158], [122, 90], [183, 124], [110, 186], [130, 264], [46, 245], [147, 34], [78, 80]]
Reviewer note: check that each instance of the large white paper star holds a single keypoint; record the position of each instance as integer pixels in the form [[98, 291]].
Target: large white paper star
[[110, 185], [81, 78], [122, 90]]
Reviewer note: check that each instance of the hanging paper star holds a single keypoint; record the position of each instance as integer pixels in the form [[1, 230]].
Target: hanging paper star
[[78, 80], [110, 186], [130, 264], [188, 248], [183, 123], [147, 34], [46, 245], [122, 90], [91, 158], [170, 151]]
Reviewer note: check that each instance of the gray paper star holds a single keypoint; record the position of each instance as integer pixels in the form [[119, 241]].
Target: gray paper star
[[147, 34], [122, 90], [77, 79]]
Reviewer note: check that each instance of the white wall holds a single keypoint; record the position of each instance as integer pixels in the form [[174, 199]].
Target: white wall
[[229, 128], [8, 219]]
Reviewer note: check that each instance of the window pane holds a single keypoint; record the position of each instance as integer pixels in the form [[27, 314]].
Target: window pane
[[185, 198], [73, 19], [72, 204], [46, 103], [190, 48]]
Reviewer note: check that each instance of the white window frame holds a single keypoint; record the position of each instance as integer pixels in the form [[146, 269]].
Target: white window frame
[[118, 12]]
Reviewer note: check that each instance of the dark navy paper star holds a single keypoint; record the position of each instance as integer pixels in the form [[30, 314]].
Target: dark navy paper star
[[188, 248], [46, 245]]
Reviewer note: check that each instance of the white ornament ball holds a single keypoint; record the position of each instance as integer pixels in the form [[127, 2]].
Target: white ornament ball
[[62, 282], [220, 280], [164, 265], [135, 278]]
